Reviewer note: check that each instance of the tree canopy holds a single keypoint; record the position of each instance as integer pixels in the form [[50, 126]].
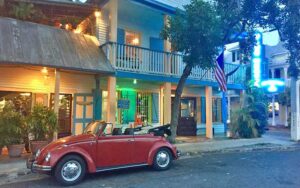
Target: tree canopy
[[201, 31]]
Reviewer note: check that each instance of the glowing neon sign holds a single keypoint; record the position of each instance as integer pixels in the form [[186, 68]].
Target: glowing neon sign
[[273, 85], [256, 60]]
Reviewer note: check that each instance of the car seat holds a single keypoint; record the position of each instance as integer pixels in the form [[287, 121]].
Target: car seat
[[129, 131], [117, 131]]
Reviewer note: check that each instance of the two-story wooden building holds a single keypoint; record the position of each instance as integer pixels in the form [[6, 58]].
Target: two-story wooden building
[[129, 77]]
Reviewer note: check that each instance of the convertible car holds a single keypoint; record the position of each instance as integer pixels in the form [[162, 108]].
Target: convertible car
[[102, 148]]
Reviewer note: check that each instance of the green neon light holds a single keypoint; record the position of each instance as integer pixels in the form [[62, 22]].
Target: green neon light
[[126, 89]]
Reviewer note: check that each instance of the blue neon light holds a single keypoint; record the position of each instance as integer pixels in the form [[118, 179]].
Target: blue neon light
[[257, 60], [273, 85]]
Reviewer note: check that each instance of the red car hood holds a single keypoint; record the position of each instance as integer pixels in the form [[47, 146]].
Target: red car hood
[[69, 140]]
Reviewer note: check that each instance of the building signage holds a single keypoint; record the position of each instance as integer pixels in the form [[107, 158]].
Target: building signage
[[123, 103], [257, 60], [273, 85]]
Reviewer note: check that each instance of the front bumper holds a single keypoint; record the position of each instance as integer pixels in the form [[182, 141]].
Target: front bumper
[[31, 164], [178, 154], [40, 168]]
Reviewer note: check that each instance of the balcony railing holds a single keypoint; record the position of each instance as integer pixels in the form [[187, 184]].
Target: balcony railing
[[146, 61]]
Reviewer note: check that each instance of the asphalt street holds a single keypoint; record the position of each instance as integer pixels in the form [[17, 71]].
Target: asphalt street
[[255, 169]]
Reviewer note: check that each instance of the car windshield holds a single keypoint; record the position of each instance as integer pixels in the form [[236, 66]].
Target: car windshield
[[93, 127]]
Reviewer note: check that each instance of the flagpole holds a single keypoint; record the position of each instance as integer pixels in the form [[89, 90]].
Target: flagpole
[[221, 79], [224, 111], [224, 102]]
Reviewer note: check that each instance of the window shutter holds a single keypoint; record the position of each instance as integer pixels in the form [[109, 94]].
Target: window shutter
[[156, 44], [203, 110], [121, 36], [155, 108]]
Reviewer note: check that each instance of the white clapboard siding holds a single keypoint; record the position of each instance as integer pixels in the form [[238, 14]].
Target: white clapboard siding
[[30, 79], [102, 27]]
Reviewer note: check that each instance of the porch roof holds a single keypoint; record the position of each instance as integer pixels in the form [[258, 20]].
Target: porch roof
[[29, 43]]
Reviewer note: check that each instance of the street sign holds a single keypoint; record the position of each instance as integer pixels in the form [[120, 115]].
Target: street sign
[[123, 103]]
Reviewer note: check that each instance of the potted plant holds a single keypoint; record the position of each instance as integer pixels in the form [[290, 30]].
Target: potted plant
[[42, 123], [11, 128]]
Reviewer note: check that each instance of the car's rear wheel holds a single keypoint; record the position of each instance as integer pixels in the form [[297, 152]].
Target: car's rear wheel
[[162, 159], [70, 170]]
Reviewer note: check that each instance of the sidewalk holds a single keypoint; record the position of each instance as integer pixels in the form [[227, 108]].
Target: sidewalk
[[15, 169], [275, 139]]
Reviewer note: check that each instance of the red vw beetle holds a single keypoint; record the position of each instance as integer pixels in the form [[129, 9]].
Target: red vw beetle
[[101, 148]]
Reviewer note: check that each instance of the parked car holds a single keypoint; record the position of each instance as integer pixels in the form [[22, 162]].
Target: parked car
[[101, 148]]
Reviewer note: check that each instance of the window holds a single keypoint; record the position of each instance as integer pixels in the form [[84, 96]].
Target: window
[[21, 100], [235, 55], [132, 38], [143, 107], [277, 73], [187, 108]]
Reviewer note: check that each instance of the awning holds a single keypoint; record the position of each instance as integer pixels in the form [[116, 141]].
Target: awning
[[29, 43]]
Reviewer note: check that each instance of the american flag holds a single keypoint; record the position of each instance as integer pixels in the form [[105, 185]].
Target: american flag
[[219, 72]]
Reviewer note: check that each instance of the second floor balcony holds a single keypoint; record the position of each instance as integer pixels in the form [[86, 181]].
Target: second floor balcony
[[134, 59]]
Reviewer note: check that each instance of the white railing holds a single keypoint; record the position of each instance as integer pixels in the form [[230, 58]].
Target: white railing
[[142, 60]]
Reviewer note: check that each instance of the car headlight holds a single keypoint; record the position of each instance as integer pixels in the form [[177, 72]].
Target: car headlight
[[48, 156], [37, 153]]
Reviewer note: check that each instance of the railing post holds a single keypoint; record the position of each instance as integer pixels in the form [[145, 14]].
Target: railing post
[[112, 54]]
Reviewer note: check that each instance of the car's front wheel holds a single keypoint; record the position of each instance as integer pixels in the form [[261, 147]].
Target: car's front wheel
[[162, 159], [70, 170]]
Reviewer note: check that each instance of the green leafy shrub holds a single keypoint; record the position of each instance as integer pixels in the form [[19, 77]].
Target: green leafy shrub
[[11, 126], [250, 121], [42, 122], [27, 12]]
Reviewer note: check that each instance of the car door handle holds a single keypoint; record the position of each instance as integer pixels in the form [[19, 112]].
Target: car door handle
[[130, 140]]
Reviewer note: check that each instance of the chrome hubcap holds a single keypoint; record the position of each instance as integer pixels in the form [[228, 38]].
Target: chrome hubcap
[[163, 159], [71, 170]]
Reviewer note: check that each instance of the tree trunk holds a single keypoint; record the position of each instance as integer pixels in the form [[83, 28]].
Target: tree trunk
[[176, 104]]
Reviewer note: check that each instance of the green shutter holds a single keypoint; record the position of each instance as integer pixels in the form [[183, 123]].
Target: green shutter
[[203, 110], [155, 109]]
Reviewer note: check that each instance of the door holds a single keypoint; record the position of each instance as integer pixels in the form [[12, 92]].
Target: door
[[64, 114], [83, 111], [114, 151], [187, 125], [142, 146]]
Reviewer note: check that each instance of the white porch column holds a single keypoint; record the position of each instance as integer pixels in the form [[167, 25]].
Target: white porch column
[[111, 81], [273, 111], [273, 100], [208, 108], [167, 48], [167, 103], [56, 97], [285, 70], [111, 103], [286, 114], [272, 73], [113, 15]]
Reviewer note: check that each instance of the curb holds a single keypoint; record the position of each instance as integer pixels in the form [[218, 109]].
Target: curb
[[242, 149]]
